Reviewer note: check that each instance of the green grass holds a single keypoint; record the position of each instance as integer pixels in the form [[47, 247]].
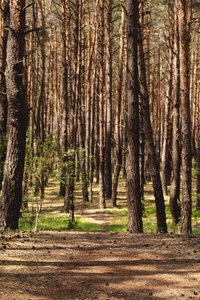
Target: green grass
[[195, 214], [149, 226], [123, 211], [81, 224], [27, 223], [115, 228]]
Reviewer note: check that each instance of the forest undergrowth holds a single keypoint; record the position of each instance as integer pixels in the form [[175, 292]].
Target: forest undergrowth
[[88, 216]]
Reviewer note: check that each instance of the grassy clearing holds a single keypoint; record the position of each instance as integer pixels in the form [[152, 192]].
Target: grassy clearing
[[119, 224], [80, 224], [51, 217]]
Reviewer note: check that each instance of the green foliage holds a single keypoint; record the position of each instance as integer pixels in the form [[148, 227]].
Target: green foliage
[[27, 223], [39, 166], [150, 211], [69, 163], [195, 214], [194, 172], [196, 230], [25, 203]]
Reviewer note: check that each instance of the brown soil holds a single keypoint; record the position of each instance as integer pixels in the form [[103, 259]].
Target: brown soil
[[106, 265]]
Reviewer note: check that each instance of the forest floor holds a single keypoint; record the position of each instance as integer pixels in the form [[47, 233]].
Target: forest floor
[[98, 265]]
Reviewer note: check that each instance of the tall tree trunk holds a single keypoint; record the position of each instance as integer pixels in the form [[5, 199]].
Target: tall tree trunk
[[175, 186], [102, 203], [41, 113], [88, 94], [118, 137], [41, 119], [69, 199], [81, 105], [185, 130], [3, 97], [196, 112], [159, 96], [64, 105], [14, 164], [194, 100], [154, 165], [166, 166], [198, 153], [97, 150], [142, 152], [132, 162], [109, 101], [90, 110]]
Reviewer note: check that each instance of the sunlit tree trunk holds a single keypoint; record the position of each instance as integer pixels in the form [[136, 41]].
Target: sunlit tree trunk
[[97, 148], [94, 108], [175, 185], [64, 105], [166, 166], [118, 136], [52, 86], [109, 80], [185, 130], [88, 96], [90, 99], [73, 111], [41, 111], [102, 203], [194, 100]]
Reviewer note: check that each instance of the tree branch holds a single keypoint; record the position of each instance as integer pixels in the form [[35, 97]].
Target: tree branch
[[32, 30], [27, 6]]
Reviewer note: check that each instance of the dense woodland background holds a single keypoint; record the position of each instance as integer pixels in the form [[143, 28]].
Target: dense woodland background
[[108, 86]]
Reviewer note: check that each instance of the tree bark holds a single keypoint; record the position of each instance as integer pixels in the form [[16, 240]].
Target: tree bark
[[175, 186], [90, 105], [198, 156], [3, 96], [132, 162], [196, 112], [118, 135], [166, 166], [14, 164], [102, 202], [41, 112], [109, 85], [64, 105], [185, 130], [154, 165]]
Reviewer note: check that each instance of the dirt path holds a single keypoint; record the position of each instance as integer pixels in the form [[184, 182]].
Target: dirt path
[[72, 265]]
